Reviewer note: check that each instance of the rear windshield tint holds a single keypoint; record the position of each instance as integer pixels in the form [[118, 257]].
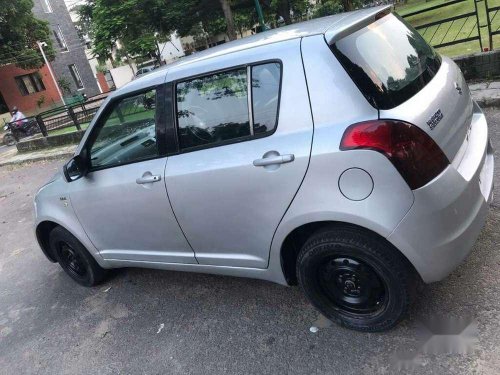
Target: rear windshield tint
[[388, 60]]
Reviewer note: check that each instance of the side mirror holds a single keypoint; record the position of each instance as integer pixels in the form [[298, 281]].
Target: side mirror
[[75, 169]]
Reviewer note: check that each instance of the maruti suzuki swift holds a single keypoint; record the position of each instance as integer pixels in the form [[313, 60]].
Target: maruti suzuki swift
[[341, 154]]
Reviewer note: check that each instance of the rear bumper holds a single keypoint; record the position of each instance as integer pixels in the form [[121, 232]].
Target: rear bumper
[[440, 229]]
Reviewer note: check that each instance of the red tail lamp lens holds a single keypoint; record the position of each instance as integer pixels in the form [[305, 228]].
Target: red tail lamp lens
[[414, 154]]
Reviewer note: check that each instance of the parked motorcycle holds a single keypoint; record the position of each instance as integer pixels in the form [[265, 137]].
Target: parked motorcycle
[[16, 131]]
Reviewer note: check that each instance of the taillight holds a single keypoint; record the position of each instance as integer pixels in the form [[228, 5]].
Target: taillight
[[414, 154]]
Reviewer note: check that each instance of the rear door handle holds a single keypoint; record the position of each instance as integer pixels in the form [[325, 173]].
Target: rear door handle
[[273, 160], [147, 179]]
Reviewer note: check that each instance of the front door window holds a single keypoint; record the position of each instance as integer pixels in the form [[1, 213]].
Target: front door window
[[128, 133]]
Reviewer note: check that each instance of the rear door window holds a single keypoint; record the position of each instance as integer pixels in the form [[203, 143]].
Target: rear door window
[[213, 109], [216, 109], [388, 60]]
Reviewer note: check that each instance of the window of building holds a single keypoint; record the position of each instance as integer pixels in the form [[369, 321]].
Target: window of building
[[215, 108], [47, 7], [76, 76], [29, 83], [58, 34], [3, 106]]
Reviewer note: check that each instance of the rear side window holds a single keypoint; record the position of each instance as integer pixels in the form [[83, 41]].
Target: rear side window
[[216, 108], [388, 60], [265, 96]]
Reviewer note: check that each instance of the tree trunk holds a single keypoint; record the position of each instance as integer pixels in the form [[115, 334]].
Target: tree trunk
[[228, 15], [284, 11], [348, 6]]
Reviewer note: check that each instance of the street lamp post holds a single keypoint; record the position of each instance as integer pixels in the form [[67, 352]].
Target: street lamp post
[[41, 45], [261, 16]]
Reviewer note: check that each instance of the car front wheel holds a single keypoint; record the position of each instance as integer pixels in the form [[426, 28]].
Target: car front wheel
[[74, 258], [355, 278]]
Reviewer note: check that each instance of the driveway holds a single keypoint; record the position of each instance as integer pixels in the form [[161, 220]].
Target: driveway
[[157, 322]]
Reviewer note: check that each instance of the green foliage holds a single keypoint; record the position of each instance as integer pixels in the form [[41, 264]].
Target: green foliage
[[327, 8], [137, 24], [19, 32], [101, 68], [282, 8], [84, 11], [64, 85], [40, 101], [133, 22], [244, 21]]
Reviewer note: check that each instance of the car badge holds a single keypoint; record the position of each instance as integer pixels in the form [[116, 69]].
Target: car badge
[[435, 119]]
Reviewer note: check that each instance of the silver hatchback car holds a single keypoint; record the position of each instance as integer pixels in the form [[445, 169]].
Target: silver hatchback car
[[341, 154]]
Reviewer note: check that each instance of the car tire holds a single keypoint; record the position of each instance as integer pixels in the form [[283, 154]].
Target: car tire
[[9, 140], [356, 278], [74, 258]]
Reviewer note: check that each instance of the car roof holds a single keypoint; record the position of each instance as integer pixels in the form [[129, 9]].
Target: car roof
[[332, 27]]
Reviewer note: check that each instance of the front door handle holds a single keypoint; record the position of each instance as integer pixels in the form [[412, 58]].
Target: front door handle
[[147, 179], [274, 160]]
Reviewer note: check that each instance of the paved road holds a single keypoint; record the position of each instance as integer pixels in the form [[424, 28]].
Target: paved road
[[154, 322], [4, 148]]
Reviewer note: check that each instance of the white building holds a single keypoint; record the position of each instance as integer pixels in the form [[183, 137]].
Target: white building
[[171, 50]]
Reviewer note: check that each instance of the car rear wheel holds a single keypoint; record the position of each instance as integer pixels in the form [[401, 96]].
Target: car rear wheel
[[355, 278], [74, 258]]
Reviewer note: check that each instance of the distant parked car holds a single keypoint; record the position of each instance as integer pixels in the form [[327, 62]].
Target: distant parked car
[[343, 154], [143, 71]]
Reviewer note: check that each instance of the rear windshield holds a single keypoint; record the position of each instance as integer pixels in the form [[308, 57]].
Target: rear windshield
[[388, 60]]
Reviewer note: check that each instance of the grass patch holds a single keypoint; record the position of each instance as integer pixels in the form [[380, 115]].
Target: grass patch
[[113, 120], [70, 129], [450, 31]]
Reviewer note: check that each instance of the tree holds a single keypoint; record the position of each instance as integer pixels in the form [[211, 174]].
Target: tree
[[19, 33], [284, 8], [110, 21], [228, 15], [347, 5], [326, 8], [84, 23]]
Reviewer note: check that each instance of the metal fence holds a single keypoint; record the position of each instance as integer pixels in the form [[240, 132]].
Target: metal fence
[[69, 116], [74, 115], [452, 30], [493, 21], [462, 28], [79, 115]]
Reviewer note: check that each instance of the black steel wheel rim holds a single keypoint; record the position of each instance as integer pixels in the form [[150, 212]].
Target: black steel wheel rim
[[352, 285], [72, 260]]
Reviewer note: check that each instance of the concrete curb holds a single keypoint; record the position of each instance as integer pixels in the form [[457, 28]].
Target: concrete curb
[[36, 158], [488, 102]]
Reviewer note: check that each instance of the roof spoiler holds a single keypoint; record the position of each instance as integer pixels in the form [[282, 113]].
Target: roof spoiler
[[354, 22]]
